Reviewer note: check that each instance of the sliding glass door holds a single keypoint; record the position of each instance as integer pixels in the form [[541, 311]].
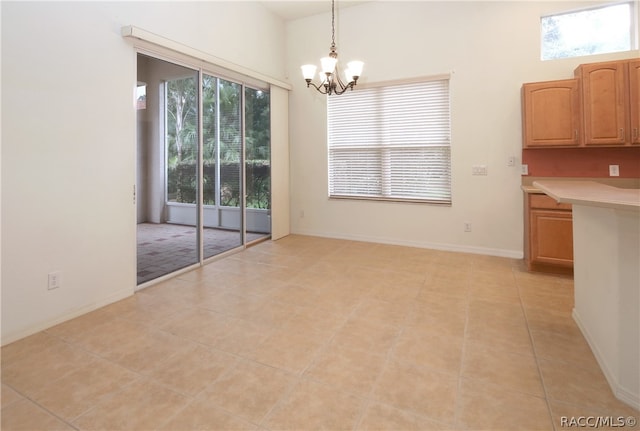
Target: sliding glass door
[[222, 182], [257, 128], [204, 183], [167, 168]]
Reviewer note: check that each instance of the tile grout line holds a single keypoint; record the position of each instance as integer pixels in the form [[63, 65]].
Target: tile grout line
[[531, 320], [300, 374], [535, 355], [229, 370], [369, 399], [458, 407]]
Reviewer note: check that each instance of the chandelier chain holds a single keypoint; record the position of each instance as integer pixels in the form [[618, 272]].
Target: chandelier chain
[[330, 80], [333, 24]]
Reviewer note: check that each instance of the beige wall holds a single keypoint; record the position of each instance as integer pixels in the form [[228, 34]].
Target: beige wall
[[490, 48], [69, 134], [69, 141]]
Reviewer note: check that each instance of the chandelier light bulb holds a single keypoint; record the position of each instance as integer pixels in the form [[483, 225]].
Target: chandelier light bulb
[[308, 71], [355, 67], [348, 75], [328, 65]]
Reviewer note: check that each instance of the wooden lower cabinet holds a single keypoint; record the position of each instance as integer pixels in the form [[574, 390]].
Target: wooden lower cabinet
[[548, 235]]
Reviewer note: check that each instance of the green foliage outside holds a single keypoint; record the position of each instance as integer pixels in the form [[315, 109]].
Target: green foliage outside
[[182, 142], [258, 178]]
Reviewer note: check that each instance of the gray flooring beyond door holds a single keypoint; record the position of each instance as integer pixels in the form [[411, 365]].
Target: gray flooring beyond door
[[164, 248]]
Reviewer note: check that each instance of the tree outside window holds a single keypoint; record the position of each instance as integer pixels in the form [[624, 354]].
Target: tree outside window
[[221, 107], [587, 32]]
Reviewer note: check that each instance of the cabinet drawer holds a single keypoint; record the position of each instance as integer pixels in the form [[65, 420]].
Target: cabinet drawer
[[546, 202]]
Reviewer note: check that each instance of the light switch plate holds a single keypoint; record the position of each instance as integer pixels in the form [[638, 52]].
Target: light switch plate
[[479, 170]]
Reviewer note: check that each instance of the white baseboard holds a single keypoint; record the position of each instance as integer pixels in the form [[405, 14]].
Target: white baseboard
[[513, 254], [619, 392], [628, 398], [41, 326]]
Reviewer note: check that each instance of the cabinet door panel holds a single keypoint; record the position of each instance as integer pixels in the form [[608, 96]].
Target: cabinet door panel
[[605, 97], [634, 92], [552, 237], [551, 113]]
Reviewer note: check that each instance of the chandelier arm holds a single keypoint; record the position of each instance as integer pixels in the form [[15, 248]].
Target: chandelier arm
[[341, 87], [321, 89], [343, 90]]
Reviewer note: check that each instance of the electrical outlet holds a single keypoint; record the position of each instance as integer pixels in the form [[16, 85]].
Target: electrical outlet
[[54, 280], [524, 170], [614, 170], [467, 226], [479, 170], [511, 162]]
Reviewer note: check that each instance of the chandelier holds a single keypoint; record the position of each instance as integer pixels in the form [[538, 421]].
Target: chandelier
[[330, 80]]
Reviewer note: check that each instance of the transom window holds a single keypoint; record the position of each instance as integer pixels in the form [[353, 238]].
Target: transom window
[[391, 142], [597, 30]]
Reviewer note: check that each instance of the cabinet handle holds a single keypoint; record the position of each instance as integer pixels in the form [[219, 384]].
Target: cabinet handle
[[621, 134], [635, 133], [576, 134]]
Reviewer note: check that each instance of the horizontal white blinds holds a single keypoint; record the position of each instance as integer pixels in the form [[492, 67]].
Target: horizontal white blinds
[[391, 142]]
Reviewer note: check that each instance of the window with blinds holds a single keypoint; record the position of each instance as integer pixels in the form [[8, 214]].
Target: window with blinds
[[391, 142]]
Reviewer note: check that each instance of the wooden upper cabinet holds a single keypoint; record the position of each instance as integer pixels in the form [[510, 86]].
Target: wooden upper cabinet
[[551, 114], [605, 95], [634, 95]]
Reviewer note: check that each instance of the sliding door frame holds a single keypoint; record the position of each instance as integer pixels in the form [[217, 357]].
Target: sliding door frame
[[200, 70], [156, 46]]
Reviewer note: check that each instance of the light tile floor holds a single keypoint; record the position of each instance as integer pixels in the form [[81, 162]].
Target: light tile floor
[[309, 333]]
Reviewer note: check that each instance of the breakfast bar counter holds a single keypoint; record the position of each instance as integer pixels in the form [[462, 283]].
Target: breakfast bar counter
[[606, 247], [591, 193]]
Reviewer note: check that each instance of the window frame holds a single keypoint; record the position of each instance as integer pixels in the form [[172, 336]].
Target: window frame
[[444, 148], [633, 30]]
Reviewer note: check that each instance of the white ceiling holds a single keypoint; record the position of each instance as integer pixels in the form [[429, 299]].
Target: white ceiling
[[294, 9]]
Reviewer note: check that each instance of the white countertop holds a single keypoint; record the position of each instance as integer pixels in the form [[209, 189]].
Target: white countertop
[[591, 193]]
